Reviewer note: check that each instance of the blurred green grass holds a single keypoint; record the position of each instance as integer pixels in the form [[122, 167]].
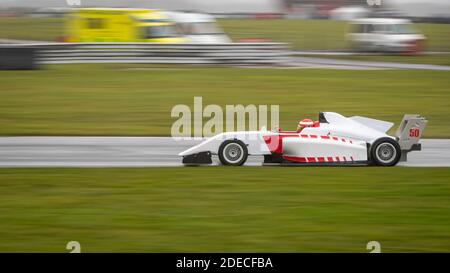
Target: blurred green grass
[[137, 99], [27, 28], [303, 34], [320, 34], [248, 209]]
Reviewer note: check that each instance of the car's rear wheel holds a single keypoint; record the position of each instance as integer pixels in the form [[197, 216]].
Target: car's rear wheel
[[233, 153], [385, 152]]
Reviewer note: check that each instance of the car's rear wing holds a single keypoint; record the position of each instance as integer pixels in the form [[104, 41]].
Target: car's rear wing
[[409, 132]]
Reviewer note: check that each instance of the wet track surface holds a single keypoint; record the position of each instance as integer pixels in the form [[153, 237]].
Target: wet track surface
[[311, 62], [146, 152]]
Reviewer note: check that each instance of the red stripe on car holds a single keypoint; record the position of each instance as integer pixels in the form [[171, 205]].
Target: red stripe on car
[[273, 143], [295, 159], [289, 135]]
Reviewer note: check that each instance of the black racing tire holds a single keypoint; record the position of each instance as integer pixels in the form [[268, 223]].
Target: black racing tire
[[385, 152], [233, 152]]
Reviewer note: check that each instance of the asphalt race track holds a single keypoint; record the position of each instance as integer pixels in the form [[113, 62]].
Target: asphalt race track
[[146, 152], [312, 62]]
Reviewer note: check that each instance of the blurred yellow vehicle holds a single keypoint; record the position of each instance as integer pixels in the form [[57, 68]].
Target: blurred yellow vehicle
[[120, 25]]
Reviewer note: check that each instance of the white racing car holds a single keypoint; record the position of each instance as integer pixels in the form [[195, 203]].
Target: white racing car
[[332, 140]]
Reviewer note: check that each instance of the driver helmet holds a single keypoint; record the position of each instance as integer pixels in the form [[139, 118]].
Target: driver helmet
[[305, 123]]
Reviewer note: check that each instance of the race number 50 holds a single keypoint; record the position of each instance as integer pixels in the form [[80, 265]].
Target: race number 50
[[414, 132]]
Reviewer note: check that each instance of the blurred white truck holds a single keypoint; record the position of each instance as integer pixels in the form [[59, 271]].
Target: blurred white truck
[[198, 28], [385, 35]]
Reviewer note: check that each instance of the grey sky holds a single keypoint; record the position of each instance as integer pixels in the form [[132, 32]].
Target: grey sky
[[207, 5], [412, 7]]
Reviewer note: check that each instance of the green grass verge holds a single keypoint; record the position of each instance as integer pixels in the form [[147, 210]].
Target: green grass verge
[[117, 100], [222, 210], [320, 34], [303, 34], [25, 28]]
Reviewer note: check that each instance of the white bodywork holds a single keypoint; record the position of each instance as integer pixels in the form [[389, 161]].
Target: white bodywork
[[328, 149], [253, 139], [199, 28], [358, 128], [341, 138], [384, 34]]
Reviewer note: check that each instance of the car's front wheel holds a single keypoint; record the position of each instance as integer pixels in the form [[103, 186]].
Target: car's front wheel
[[385, 152], [233, 153]]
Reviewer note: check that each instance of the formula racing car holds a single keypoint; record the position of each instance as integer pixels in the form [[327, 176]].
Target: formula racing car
[[332, 140]]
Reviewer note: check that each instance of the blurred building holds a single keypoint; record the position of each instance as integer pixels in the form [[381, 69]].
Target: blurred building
[[326, 8], [294, 8], [416, 9], [223, 6]]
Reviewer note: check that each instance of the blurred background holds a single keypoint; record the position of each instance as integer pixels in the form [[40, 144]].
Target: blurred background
[[306, 24], [89, 70], [303, 8], [345, 35]]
